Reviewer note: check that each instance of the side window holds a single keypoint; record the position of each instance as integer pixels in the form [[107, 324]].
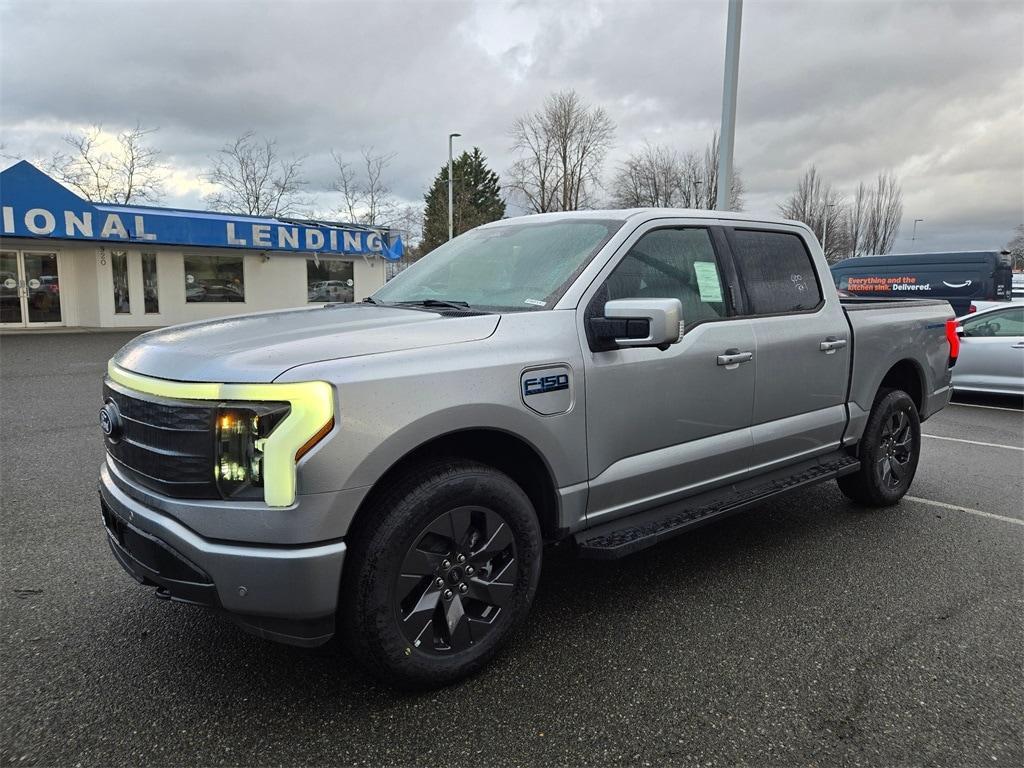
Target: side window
[[672, 264], [776, 271], [1009, 322]]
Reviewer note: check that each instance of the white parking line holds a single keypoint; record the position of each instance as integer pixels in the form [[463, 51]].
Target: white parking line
[[989, 407], [968, 510], [974, 442]]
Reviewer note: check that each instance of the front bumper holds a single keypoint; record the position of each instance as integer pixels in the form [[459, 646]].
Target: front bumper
[[283, 593]]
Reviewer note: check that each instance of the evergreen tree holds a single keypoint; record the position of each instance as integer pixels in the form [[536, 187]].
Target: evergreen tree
[[476, 199]]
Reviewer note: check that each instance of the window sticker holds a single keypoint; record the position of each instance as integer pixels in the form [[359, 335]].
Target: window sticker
[[707, 281], [535, 303]]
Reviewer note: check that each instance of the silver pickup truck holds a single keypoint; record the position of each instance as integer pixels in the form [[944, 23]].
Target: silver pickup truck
[[391, 470]]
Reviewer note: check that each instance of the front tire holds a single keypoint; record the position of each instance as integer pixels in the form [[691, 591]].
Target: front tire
[[440, 572], [889, 452]]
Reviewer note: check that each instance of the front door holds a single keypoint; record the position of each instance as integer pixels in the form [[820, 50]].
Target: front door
[[29, 289], [664, 424]]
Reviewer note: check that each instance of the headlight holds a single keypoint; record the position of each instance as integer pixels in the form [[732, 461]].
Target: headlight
[[241, 434]]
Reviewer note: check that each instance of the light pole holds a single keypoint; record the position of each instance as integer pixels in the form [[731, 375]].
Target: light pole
[[451, 228], [912, 239], [732, 74]]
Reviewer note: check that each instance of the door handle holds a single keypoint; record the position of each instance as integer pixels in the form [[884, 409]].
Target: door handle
[[1019, 345], [733, 357], [831, 344]]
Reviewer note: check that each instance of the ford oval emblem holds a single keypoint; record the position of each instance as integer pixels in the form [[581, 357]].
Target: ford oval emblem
[[110, 421]]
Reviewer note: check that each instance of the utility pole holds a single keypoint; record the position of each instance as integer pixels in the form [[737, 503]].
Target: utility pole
[[727, 137], [912, 239], [451, 173]]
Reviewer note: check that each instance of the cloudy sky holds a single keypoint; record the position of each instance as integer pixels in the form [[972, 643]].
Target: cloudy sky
[[933, 91]]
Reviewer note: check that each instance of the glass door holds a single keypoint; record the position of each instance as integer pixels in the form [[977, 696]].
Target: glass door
[[29, 289], [11, 312]]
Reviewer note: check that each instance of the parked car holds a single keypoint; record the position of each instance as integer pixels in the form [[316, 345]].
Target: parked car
[[991, 351], [390, 470], [959, 277]]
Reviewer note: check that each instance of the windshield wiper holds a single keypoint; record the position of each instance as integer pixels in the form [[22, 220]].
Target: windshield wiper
[[369, 300], [450, 303]]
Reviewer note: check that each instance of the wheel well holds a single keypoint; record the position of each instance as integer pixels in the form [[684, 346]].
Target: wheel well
[[501, 450], [906, 376]]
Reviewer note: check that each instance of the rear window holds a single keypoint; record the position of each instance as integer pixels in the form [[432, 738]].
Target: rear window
[[776, 270]]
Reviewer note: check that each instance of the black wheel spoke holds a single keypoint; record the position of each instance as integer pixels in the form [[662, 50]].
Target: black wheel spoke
[[491, 592], [457, 624], [462, 523], [420, 563], [498, 539], [897, 470]]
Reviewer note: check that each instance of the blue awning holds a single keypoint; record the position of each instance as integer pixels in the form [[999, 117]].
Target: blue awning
[[35, 205]]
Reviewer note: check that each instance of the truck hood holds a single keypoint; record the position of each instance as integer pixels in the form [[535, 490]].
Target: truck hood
[[260, 347]]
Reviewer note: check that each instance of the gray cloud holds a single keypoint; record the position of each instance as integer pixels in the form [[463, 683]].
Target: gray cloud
[[930, 90]]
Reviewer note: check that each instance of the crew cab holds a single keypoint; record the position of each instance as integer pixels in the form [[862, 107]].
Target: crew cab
[[391, 470]]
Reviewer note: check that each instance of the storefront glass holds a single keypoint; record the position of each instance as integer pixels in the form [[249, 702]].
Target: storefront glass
[[330, 281], [119, 271], [150, 288], [214, 278]]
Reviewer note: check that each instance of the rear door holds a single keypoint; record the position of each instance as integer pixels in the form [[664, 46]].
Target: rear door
[[803, 346]]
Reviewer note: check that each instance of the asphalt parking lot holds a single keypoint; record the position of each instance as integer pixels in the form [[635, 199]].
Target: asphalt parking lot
[[806, 632]]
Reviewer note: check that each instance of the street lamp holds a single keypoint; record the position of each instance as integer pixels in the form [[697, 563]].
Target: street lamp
[[451, 173], [912, 239]]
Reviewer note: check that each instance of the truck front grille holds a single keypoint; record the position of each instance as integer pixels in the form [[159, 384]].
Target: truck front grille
[[166, 445]]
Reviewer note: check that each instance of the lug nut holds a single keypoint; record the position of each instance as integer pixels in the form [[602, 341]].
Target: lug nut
[[439, 582], [448, 594], [463, 588], [461, 558], [469, 570], [446, 564]]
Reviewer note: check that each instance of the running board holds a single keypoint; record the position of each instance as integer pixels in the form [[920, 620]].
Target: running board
[[644, 529]]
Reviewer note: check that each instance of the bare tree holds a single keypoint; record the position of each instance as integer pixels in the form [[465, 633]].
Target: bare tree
[[659, 177], [820, 207], [125, 169], [855, 220], [253, 178], [651, 177], [1016, 247], [366, 196], [884, 214], [561, 150], [707, 193]]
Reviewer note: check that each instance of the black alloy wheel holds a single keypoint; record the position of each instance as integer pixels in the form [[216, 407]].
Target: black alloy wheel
[[889, 450], [895, 450], [456, 579], [440, 571]]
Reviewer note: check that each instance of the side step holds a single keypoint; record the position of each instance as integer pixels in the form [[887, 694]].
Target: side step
[[644, 529]]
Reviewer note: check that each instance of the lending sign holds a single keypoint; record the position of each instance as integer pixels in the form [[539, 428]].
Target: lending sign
[[34, 205]]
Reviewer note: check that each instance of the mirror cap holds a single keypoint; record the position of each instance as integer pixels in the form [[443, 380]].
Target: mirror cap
[[664, 320]]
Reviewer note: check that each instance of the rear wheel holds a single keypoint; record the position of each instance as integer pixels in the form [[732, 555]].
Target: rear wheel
[[440, 573], [889, 451]]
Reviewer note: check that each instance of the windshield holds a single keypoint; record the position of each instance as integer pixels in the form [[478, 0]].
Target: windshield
[[505, 268]]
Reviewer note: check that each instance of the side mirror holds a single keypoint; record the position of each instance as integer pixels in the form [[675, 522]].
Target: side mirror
[[960, 330], [639, 323]]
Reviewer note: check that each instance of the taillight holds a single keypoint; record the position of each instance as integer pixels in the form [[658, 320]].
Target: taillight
[[954, 341], [971, 309]]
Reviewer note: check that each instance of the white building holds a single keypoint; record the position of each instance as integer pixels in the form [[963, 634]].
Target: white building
[[67, 262]]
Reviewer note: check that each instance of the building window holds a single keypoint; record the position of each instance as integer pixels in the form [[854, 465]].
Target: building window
[[119, 271], [330, 281], [214, 278], [150, 289]]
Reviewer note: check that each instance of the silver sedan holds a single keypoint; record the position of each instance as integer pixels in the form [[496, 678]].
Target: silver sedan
[[991, 351]]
